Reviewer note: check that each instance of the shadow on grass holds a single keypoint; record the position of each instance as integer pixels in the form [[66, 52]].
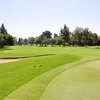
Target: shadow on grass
[[5, 48], [27, 56]]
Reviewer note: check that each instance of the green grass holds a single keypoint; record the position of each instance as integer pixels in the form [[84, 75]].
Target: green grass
[[22, 51], [79, 83], [34, 89], [27, 79], [15, 74]]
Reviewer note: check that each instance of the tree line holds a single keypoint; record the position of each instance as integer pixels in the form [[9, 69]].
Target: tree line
[[79, 37]]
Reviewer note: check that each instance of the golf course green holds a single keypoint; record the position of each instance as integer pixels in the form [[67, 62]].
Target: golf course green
[[50, 73]]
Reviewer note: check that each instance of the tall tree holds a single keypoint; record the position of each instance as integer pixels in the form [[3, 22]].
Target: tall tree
[[78, 32], [5, 38], [1, 41], [65, 33], [20, 41], [3, 30]]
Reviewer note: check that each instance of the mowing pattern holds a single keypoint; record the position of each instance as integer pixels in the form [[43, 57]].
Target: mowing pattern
[[80, 83], [35, 77], [15, 74], [52, 85]]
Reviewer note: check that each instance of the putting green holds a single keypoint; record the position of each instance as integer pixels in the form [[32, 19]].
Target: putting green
[[78, 83]]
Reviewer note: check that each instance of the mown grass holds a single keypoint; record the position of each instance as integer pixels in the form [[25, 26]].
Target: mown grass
[[79, 83], [16, 74], [22, 51], [34, 89]]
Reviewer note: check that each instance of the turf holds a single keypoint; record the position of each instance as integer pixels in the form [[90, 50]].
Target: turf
[[34, 89], [33, 75], [80, 83], [24, 51], [15, 74]]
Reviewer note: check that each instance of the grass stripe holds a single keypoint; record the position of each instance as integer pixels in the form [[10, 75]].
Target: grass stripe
[[34, 89]]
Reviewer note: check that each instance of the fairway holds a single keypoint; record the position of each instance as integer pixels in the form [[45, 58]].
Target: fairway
[[50, 50], [50, 73], [80, 83]]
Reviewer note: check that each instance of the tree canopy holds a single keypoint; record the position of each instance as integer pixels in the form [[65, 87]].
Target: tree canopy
[[5, 38], [79, 37]]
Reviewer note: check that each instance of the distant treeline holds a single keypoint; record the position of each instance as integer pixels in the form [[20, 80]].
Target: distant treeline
[[79, 37]]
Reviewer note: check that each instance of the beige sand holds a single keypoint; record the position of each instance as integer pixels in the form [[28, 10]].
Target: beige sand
[[8, 60]]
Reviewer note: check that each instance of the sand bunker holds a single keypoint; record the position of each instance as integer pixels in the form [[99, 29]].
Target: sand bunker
[[8, 60]]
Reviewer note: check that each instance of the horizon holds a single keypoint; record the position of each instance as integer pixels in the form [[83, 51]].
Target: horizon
[[31, 18]]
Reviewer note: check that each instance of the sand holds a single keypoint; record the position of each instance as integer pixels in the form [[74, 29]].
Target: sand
[[8, 60]]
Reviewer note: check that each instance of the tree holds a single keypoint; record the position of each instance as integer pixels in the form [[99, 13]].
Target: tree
[[59, 40], [36, 41], [55, 35], [3, 30], [9, 40], [45, 41], [44, 38], [73, 40], [95, 38], [40, 40], [65, 33], [85, 37], [1, 41], [47, 34], [5, 38], [20, 41], [78, 32], [31, 40], [53, 41], [25, 41]]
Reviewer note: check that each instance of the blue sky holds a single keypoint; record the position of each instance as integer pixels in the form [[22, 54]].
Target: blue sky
[[24, 18]]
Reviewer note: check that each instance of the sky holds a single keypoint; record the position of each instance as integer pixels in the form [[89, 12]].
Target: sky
[[25, 18]]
